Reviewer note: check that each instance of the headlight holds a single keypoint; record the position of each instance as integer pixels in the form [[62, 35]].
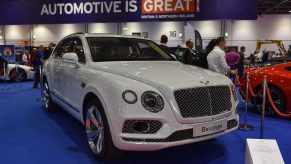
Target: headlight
[[152, 101], [129, 97], [233, 92]]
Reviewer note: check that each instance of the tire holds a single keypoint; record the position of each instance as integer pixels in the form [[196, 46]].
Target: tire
[[99, 138], [50, 106], [278, 98], [21, 76]]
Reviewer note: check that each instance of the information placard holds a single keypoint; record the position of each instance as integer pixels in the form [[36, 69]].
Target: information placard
[[263, 151]]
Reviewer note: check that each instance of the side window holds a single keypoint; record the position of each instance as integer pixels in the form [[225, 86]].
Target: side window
[[70, 45], [75, 45], [59, 50], [288, 68]]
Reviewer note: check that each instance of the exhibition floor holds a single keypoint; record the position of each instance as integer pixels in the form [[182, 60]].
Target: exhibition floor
[[30, 135]]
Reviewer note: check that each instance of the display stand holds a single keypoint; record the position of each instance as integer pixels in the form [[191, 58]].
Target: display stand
[[245, 126], [265, 86]]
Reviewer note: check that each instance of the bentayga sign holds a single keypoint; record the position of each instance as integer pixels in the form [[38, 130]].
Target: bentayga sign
[[80, 11]]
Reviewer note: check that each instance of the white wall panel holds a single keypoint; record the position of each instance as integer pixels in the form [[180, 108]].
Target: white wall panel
[[54, 32], [242, 33], [15, 33], [208, 30], [245, 33], [156, 29], [104, 28]]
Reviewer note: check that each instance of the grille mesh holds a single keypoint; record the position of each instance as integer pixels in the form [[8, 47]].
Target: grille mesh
[[206, 101], [154, 126]]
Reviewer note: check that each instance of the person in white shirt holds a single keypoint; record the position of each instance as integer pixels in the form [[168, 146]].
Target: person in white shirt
[[26, 57], [216, 58]]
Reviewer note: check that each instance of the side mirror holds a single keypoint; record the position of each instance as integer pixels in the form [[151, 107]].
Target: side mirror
[[71, 58], [174, 56]]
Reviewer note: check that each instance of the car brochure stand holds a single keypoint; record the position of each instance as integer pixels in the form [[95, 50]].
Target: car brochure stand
[[245, 126], [262, 151]]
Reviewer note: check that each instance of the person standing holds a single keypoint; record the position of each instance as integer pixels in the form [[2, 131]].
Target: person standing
[[189, 57], [216, 58], [48, 51], [39, 60], [163, 43], [241, 63], [232, 59], [26, 57], [204, 53], [3, 64]]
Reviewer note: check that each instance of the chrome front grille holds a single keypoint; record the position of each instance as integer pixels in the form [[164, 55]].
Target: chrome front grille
[[205, 101]]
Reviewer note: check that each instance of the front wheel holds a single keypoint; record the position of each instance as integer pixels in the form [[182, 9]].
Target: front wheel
[[18, 76], [98, 133], [278, 99]]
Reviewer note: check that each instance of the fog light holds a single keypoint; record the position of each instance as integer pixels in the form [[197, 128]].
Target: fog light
[[141, 127], [129, 96]]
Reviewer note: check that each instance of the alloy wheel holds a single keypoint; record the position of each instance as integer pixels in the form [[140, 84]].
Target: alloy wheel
[[46, 95], [268, 108], [95, 130]]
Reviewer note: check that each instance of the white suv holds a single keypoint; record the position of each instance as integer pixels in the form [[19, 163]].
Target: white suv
[[132, 95]]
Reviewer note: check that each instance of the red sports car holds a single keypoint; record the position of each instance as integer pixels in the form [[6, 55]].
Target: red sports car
[[279, 83]]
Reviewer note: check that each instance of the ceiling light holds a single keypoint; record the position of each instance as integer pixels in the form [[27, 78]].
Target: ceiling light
[[289, 11], [180, 35]]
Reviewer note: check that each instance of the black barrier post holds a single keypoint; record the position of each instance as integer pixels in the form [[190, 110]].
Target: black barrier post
[[265, 86], [4, 76], [17, 75], [41, 87], [245, 126]]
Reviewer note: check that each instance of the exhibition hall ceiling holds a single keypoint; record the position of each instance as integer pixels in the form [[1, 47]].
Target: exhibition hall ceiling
[[274, 7]]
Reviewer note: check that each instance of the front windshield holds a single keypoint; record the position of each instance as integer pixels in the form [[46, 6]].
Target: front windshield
[[125, 49]]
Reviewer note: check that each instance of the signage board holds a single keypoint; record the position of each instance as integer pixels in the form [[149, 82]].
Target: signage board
[[86, 11]]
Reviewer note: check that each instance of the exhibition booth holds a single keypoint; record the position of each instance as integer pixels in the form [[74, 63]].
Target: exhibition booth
[[109, 91]]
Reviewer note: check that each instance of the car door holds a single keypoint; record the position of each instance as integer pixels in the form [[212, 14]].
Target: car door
[[74, 76], [56, 69]]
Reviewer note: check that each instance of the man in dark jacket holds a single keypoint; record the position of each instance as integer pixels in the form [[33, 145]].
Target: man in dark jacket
[[241, 63], [163, 43], [189, 56]]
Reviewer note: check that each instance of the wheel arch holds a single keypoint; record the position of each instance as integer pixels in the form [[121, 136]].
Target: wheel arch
[[93, 95]]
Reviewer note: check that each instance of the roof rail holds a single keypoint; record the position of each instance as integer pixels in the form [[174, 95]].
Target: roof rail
[[77, 33]]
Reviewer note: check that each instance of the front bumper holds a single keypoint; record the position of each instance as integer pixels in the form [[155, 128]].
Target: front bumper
[[183, 134]]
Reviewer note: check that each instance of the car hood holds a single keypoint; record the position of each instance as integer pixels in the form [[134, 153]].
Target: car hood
[[27, 68], [163, 73]]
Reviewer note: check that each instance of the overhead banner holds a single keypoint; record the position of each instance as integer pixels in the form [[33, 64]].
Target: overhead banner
[[81, 11]]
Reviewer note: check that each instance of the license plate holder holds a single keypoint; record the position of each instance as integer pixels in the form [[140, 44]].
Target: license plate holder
[[209, 128]]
